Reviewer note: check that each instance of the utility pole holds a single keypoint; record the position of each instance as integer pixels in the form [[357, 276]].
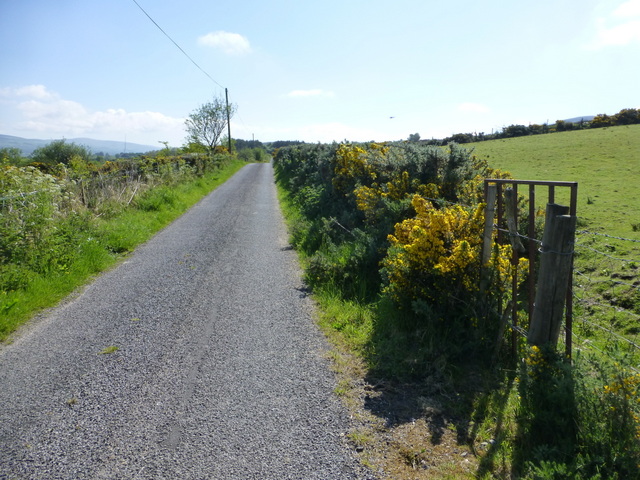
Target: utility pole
[[226, 94]]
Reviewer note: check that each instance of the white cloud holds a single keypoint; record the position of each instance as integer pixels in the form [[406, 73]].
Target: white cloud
[[310, 93], [32, 91], [621, 27], [470, 107], [628, 9], [623, 34], [229, 43], [36, 112]]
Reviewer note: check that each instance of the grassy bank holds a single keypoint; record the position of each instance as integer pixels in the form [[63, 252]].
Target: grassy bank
[[98, 242]]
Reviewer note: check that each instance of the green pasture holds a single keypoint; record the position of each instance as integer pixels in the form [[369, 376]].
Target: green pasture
[[604, 161]]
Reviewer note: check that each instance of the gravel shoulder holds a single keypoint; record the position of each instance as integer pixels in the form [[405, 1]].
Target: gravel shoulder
[[195, 358]]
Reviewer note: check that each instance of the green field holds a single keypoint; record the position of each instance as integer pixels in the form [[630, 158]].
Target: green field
[[604, 161], [606, 164]]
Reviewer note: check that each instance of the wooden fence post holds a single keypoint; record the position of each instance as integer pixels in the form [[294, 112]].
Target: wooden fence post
[[487, 245], [554, 275]]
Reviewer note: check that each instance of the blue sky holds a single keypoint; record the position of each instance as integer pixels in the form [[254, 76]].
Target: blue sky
[[314, 71]]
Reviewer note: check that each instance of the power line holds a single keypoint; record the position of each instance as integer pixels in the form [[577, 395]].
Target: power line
[[174, 42]]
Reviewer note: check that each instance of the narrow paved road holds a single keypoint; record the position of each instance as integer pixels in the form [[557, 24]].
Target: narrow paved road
[[219, 370]]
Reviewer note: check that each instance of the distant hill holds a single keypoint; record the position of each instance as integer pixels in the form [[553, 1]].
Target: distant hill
[[586, 118], [109, 147]]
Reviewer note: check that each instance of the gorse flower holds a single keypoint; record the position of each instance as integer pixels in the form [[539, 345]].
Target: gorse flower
[[351, 164], [443, 242]]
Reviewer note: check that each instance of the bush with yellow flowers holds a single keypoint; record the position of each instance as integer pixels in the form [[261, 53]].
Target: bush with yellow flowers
[[623, 396], [396, 196], [435, 261], [433, 251]]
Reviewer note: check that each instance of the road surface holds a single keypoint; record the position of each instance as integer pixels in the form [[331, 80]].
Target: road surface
[[215, 370]]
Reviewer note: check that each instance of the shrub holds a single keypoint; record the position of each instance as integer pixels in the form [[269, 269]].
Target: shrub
[[378, 211]]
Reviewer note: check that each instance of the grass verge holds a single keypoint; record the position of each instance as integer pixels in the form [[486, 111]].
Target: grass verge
[[106, 242]]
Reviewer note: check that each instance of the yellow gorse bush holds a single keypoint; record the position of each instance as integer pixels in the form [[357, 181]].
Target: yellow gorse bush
[[628, 385], [624, 397], [444, 245], [368, 197], [351, 163], [443, 242], [436, 255]]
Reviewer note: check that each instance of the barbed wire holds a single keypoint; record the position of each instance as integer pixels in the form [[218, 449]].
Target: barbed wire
[[504, 230], [587, 232], [607, 281], [594, 303], [448, 202], [591, 291], [608, 330], [519, 330]]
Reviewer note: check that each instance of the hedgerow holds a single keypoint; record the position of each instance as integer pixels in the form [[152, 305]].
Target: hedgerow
[[380, 219], [51, 213]]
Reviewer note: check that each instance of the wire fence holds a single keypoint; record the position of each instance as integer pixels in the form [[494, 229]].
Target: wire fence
[[603, 301], [606, 297]]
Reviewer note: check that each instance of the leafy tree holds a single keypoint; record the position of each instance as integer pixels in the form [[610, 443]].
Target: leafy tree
[[562, 126], [414, 137], [241, 144], [284, 143], [601, 120], [59, 151], [627, 116], [460, 138], [516, 131], [193, 148], [207, 123], [537, 129]]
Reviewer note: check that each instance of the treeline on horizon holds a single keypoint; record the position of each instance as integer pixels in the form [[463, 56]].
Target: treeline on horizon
[[626, 116], [61, 152]]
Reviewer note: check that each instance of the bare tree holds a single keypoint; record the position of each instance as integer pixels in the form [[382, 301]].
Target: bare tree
[[207, 123]]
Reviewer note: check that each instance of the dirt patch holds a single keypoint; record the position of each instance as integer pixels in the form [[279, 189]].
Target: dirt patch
[[404, 431]]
